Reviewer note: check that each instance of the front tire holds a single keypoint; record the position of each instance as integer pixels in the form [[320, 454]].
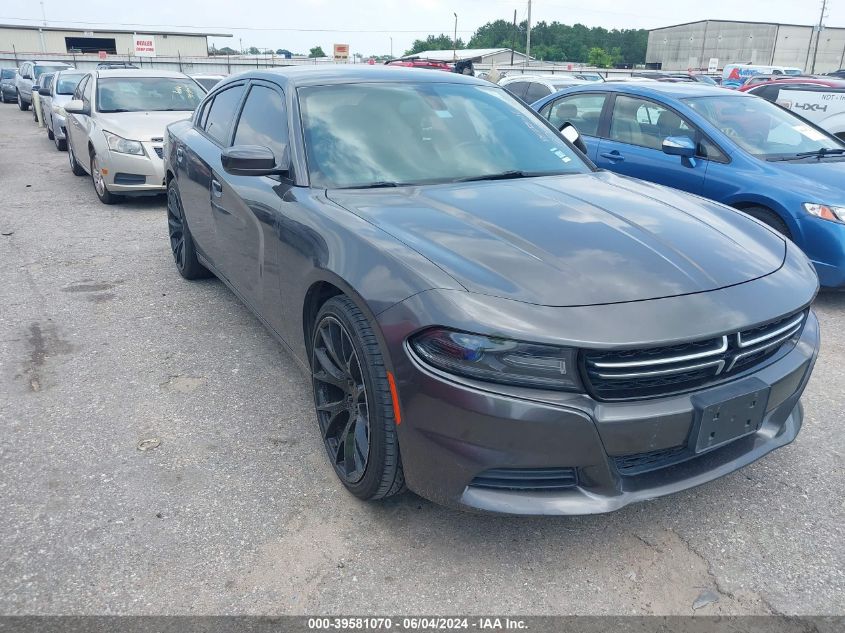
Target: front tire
[[769, 218], [353, 401], [103, 193], [50, 134], [61, 143], [181, 241], [23, 106]]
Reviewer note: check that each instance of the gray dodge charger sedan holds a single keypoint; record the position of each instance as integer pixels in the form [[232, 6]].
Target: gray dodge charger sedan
[[486, 317]]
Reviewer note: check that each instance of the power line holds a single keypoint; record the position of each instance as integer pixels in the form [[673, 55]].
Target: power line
[[232, 28]]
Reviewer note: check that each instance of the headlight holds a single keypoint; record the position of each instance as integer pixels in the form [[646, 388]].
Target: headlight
[[122, 145], [825, 211], [498, 360]]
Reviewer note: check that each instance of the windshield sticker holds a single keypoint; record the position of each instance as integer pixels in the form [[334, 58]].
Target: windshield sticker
[[810, 133], [563, 157], [443, 114]]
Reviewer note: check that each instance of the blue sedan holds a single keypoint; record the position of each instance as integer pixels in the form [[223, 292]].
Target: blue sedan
[[735, 148]]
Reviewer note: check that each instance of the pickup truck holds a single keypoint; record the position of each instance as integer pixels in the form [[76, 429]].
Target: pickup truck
[[820, 101]]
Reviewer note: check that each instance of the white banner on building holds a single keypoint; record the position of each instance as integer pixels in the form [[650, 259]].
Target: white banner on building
[[145, 46]]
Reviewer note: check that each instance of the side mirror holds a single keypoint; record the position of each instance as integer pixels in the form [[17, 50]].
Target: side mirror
[[570, 133], [44, 92], [679, 146], [75, 106], [252, 160]]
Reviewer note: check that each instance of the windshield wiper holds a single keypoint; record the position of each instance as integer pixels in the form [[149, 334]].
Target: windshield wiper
[[112, 111], [504, 175], [819, 153], [378, 185]]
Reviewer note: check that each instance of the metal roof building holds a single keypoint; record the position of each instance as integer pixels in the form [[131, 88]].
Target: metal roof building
[[33, 39], [693, 44], [498, 56]]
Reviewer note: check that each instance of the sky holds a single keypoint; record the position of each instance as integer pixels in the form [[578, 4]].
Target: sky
[[372, 26]]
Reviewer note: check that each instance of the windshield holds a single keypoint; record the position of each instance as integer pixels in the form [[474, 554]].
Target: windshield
[[706, 80], [762, 128], [207, 82], [147, 94], [792, 71], [7, 73], [67, 83], [391, 133], [48, 69], [45, 80]]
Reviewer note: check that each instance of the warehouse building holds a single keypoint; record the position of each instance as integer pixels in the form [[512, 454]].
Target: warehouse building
[[692, 45], [29, 40]]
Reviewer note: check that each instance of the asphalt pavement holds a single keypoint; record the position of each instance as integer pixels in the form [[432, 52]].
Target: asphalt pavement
[[233, 507]]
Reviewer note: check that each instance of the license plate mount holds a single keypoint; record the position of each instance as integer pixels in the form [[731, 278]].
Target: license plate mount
[[724, 417]]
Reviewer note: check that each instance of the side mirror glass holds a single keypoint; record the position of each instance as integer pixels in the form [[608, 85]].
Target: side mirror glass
[[570, 133], [679, 146], [253, 160], [75, 106]]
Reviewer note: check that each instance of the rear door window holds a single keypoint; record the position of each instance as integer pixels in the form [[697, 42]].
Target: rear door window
[[535, 92], [517, 88], [221, 114], [582, 110]]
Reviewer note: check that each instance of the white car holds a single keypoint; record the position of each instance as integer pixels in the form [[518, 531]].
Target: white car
[[115, 127], [821, 101], [531, 88]]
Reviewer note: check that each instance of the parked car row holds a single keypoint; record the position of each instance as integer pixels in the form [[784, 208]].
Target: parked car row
[[487, 318]]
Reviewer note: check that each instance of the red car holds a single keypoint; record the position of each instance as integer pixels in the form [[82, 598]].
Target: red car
[[807, 81], [419, 62]]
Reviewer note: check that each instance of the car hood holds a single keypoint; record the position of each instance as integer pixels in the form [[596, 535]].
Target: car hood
[[140, 126], [573, 240], [823, 179]]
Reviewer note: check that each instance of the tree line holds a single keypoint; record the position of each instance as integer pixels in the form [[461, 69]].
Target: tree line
[[552, 41]]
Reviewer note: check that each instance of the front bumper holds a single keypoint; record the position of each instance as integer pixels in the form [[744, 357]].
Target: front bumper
[[129, 173], [453, 430]]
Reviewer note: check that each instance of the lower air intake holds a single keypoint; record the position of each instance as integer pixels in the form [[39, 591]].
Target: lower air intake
[[526, 479]]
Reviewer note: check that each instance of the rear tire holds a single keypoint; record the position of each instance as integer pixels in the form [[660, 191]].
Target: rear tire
[[61, 144], [23, 106], [181, 241], [769, 218], [353, 401], [75, 167]]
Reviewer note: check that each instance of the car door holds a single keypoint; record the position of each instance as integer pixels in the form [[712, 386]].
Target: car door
[[634, 141], [198, 166], [246, 224], [581, 109], [77, 124]]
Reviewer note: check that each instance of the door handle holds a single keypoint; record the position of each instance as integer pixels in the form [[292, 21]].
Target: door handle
[[614, 156], [216, 188]]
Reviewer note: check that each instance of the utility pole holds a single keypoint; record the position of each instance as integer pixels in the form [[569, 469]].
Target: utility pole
[[513, 37], [455, 41], [391, 47], [818, 36], [528, 41]]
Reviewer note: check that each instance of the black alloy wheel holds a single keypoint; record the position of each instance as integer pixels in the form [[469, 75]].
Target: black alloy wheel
[[341, 400]]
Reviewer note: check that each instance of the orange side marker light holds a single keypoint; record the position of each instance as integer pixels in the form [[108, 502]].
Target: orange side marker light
[[395, 396]]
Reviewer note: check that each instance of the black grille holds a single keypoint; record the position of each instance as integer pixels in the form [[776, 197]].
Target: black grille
[[129, 179], [645, 462], [657, 371], [159, 152], [527, 479]]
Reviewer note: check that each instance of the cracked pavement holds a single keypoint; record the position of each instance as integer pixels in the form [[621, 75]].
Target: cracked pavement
[[103, 346]]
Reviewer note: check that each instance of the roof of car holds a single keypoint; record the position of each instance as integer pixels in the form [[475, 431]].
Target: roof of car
[[348, 73], [676, 90], [131, 72]]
